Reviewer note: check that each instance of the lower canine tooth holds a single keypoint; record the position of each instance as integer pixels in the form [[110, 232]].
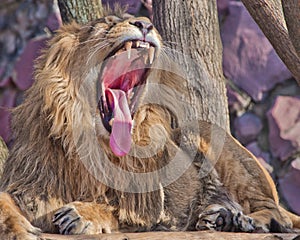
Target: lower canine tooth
[[128, 46], [151, 54], [145, 56], [111, 122]]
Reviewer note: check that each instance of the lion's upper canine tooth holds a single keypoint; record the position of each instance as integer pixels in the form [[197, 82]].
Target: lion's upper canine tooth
[[128, 46], [130, 95], [137, 44], [151, 54], [119, 51], [111, 121]]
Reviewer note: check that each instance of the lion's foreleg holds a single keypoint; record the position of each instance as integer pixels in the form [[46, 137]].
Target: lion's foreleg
[[271, 220], [218, 210], [13, 224], [85, 218]]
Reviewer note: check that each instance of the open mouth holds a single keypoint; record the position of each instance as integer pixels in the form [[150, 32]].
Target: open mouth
[[122, 80]]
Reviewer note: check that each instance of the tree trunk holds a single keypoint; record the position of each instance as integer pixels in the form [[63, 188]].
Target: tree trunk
[[291, 10], [3, 152], [193, 26], [82, 11], [269, 17]]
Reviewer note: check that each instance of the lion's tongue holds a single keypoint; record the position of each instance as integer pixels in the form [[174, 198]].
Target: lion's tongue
[[120, 138]]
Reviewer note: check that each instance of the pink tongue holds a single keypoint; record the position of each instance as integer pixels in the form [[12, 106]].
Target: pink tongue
[[120, 138]]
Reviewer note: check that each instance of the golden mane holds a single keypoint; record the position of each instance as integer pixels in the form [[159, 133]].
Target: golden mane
[[56, 121]]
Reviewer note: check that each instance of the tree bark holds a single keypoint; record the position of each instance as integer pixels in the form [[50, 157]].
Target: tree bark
[[193, 26], [3, 152], [291, 10], [269, 17], [82, 11]]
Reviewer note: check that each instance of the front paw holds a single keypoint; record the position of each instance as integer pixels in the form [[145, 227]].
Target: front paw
[[18, 230], [13, 225], [69, 221], [217, 217], [84, 218]]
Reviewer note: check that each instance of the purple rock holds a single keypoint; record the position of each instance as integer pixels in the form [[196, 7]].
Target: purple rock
[[133, 5], [24, 67], [249, 59], [258, 152], [5, 82], [222, 6], [9, 39], [284, 125], [247, 127], [42, 11], [54, 21], [263, 157], [289, 186]]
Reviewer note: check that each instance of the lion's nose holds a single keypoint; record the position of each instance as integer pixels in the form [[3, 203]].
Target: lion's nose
[[144, 26]]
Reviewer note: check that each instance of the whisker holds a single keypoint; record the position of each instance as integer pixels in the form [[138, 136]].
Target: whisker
[[91, 40], [96, 47], [96, 50]]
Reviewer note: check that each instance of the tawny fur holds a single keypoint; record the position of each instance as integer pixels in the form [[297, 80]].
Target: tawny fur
[[54, 135]]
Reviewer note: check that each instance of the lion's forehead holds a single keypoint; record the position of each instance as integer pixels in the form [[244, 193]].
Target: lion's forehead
[[114, 28]]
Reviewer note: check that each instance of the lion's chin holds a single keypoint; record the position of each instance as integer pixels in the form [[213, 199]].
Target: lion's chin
[[122, 80]]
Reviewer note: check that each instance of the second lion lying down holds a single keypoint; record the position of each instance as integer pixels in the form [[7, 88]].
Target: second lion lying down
[[94, 153]]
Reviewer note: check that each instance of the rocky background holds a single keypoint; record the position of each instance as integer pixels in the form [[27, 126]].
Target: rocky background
[[264, 99]]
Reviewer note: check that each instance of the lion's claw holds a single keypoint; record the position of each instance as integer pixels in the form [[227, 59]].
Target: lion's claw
[[68, 221], [216, 217], [243, 223]]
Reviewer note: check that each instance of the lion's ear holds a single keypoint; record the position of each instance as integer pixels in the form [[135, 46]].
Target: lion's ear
[[112, 20]]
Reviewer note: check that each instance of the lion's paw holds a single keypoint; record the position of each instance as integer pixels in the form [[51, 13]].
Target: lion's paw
[[243, 223], [217, 217], [18, 228], [69, 221], [83, 218], [13, 225]]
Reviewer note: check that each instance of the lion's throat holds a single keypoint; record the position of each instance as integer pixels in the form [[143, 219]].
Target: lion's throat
[[120, 138]]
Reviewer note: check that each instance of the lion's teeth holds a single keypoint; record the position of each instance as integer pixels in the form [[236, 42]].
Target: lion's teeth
[[144, 45], [128, 46], [151, 54], [111, 121], [130, 94], [145, 56], [141, 44]]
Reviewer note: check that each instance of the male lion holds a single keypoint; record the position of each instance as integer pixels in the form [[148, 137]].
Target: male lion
[[101, 145]]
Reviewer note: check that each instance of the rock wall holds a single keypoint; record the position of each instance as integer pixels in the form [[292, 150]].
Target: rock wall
[[264, 99]]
